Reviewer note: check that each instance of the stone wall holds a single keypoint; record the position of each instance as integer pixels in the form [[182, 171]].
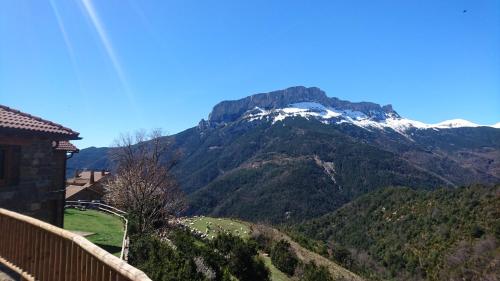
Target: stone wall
[[40, 189]]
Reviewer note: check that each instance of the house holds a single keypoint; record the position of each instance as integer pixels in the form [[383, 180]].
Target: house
[[87, 185], [33, 154]]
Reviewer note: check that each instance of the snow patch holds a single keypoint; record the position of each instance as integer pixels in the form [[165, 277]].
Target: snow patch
[[455, 123], [328, 115]]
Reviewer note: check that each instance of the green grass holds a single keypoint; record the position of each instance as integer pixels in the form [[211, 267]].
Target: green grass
[[214, 226], [276, 274], [107, 229]]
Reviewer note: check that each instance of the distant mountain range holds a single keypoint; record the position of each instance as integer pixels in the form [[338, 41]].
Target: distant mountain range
[[296, 154]]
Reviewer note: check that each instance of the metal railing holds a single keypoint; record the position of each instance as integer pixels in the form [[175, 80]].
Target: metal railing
[[39, 251], [108, 209]]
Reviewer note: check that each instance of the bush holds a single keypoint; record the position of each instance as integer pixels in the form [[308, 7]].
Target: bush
[[342, 256], [241, 256], [316, 273], [160, 262], [283, 258]]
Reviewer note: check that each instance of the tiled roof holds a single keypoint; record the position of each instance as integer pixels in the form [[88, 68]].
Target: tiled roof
[[66, 146], [17, 120], [72, 190], [84, 177]]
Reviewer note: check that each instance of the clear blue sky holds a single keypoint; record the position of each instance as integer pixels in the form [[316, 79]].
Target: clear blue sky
[[106, 67]]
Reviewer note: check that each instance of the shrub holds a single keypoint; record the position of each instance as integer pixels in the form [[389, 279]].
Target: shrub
[[316, 273], [283, 258], [241, 256], [342, 256], [160, 262]]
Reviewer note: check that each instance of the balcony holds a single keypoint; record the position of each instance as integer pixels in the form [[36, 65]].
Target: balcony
[[39, 251]]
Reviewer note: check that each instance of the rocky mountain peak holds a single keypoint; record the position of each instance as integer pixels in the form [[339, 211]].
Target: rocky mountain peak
[[228, 111]]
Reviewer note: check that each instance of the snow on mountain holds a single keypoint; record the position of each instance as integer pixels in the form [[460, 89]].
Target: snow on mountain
[[455, 123], [497, 125], [331, 115]]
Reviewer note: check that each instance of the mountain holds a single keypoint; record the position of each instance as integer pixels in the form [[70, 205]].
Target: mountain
[[296, 154], [404, 234]]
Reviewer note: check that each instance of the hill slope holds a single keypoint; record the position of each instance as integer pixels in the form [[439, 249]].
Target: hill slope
[[415, 235], [214, 226]]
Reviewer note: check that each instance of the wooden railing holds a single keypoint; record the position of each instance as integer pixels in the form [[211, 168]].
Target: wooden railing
[[39, 251]]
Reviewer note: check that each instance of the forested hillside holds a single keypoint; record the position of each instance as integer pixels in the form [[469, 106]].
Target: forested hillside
[[405, 234]]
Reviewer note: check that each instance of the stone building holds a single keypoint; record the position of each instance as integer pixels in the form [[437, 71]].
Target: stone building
[[33, 154]]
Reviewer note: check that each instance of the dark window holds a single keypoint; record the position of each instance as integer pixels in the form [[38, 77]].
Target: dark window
[[9, 164]]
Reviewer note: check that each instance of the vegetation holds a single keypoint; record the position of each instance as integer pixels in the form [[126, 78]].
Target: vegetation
[[281, 167], [315, 273], [276, 274], [265, 239], [160, 261], [142, 184], [185, 257], [107, 229], [268, 238], [283, 257], [413, 235], [212, 227], [241, 256]]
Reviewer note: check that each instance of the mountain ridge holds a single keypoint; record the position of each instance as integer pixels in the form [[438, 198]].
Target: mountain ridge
[[312, 101], [289, 164], [228, 111]]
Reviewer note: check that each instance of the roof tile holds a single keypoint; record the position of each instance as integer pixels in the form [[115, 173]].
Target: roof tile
[[66, 146], [15, 119]]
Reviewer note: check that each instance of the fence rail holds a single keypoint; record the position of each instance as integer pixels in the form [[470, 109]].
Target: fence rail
[[40, 251]]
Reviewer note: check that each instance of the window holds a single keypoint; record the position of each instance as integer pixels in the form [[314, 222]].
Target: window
[[9, 164]]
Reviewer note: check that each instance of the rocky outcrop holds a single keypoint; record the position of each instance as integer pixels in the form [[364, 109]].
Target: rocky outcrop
[[228, 111]]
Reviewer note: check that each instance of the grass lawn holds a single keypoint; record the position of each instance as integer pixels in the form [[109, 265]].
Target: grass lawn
[[218, 225], [107, 229]]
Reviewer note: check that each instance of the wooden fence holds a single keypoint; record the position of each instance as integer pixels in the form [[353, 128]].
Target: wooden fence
[[39, 251]]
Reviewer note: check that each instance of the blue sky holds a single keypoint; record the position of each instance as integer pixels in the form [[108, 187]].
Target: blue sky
[[107, 67]]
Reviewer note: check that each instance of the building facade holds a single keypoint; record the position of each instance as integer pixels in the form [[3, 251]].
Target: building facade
[[33, 154]]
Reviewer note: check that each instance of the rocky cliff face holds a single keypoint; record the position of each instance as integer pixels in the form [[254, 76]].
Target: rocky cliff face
[[229, 111]]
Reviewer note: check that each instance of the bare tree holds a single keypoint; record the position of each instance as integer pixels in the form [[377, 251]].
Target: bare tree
[[143, 184]]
